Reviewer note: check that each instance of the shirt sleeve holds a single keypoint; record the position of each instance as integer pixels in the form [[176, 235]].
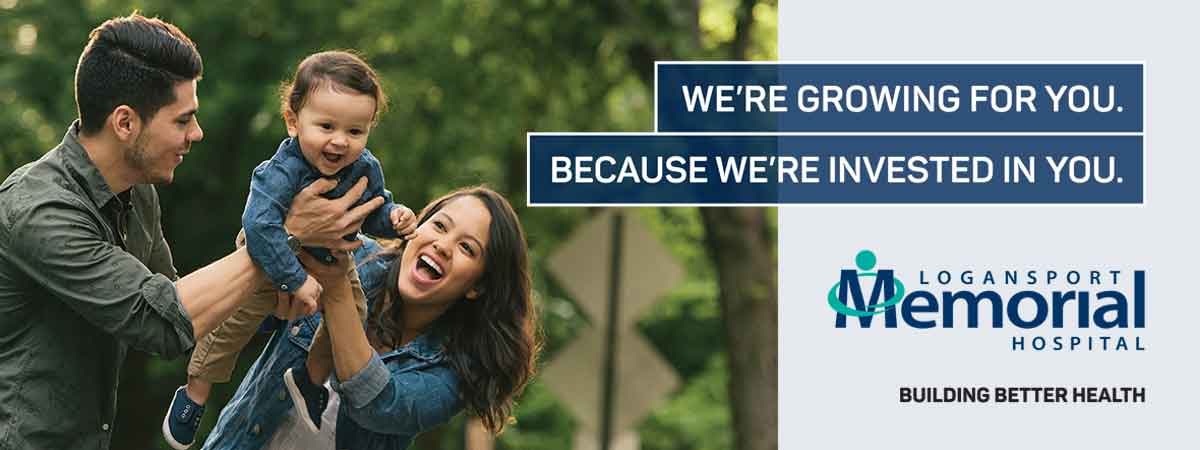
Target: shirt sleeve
[[406, 402], [64, 251], [272, 188], [378, 222]]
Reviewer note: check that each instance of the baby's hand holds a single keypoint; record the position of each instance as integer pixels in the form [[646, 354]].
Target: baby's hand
[[305, 299], [404, 221]]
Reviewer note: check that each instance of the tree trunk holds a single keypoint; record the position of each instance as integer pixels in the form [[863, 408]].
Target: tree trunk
[[742, 249]]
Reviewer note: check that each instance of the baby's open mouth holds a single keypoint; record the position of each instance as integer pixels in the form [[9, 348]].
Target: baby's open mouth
[[332, 157]]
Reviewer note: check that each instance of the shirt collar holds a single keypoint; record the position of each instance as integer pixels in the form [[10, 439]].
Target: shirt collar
[[83, 169]]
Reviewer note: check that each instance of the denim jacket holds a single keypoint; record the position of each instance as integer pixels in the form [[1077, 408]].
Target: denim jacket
[[384, 406], [275, 182]]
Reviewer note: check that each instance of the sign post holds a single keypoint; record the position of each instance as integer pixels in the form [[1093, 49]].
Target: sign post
[[614, 268]]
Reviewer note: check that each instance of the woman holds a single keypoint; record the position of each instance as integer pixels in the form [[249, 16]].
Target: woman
[[451, 327]]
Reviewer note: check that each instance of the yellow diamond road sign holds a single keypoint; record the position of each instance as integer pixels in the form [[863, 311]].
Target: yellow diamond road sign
[[583, 263], [641, 378]]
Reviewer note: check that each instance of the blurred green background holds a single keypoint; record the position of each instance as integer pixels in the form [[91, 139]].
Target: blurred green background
[[467, 80]]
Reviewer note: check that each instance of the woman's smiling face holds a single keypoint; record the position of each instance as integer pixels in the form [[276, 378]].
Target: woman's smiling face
[[445, 258]]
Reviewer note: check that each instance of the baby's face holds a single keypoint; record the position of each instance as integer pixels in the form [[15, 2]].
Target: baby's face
[[332, 127]]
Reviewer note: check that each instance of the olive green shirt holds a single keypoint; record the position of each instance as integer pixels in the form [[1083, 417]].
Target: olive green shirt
[[84, 275]]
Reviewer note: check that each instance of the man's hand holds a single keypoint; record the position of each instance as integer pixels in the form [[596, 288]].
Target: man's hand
[[320, 222], [404, 221]]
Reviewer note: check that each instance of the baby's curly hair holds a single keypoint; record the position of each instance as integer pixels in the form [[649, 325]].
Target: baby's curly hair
[[341, 70]]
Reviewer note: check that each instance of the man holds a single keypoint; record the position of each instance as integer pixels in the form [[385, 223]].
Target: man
[[85, 272]]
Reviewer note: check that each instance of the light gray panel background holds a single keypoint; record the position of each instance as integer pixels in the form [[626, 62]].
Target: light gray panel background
[[838, 388]]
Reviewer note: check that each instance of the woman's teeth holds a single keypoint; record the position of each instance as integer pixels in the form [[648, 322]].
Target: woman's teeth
[[433, 267]]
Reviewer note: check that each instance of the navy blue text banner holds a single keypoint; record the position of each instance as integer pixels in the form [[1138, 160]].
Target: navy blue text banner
[[681, 169], [906, 97]]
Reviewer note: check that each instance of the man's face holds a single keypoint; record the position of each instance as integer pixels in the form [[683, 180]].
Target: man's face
[[163, 141]]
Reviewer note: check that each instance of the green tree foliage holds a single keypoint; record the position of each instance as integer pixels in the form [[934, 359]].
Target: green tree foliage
[[467, 80]]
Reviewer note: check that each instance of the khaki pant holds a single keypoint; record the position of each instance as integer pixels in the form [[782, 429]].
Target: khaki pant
[[216, 354]]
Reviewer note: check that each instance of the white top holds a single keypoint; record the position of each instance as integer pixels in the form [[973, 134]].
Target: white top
[[293, 435]]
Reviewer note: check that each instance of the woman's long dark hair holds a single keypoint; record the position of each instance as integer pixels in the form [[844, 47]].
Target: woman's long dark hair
[[492, 341]]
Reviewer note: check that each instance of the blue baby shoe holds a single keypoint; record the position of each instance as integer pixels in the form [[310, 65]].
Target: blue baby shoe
[[182, 421]]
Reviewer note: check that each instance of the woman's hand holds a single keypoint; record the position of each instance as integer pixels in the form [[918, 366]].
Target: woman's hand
[[329, 274], [321, 222]]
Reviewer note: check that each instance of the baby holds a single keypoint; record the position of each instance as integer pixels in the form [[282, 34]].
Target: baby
[[329, 107]]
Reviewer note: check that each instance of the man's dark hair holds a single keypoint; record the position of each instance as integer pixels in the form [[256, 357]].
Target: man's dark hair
[[135, 61]]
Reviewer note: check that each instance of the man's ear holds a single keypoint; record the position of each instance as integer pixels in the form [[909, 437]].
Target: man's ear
[[125, 123], [474, 293], [292, 123]]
